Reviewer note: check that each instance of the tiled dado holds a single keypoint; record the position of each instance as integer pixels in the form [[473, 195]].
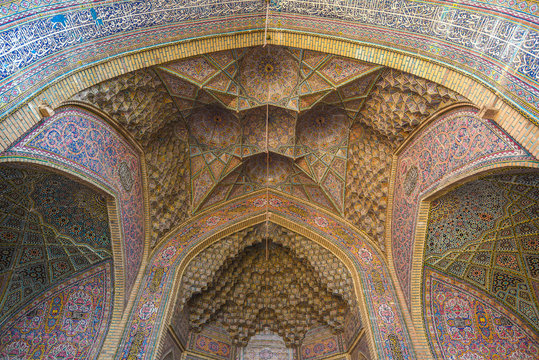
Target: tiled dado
[[514, 121]]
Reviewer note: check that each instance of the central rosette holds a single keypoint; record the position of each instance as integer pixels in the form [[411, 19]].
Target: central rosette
[[269, 74]]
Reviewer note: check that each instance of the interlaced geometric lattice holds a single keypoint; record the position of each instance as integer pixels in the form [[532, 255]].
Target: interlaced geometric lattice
[[487, 233], [219, 105], [50, 228]]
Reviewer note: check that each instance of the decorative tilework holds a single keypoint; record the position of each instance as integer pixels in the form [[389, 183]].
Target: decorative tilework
[[320, 343], [322, 140], [389, 332], [210, 346], [367, 181], [68, 321], [463, 323], [456, 143], [50, 228], [269, 286], [279, 76], [80, 141], [495, 42], [478, 233], [281, 174]]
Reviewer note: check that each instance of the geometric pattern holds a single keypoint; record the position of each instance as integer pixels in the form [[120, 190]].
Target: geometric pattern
[[167, 164], [487, 233], [399, 102], [320, 343], [228, 154], [463, 323], [206, 266], [215, 135], [389, 333], [69, 321], [322, 142], [51, 227], [210, 343], [455, 143], [201, 270], [288, 81], [308, 100], [289, 78], [138, 101], [367, 181], [409, 27]]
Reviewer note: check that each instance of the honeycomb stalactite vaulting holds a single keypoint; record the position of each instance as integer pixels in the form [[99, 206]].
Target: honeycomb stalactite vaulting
[[399, 102], [141, 104], [138, 100], [369, 168], [223, 271], [282, 293], [167, 159]]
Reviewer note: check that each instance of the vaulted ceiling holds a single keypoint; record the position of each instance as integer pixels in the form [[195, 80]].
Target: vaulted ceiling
[[316, 126]]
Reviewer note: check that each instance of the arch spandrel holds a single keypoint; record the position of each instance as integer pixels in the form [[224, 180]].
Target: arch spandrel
[[380, 304]]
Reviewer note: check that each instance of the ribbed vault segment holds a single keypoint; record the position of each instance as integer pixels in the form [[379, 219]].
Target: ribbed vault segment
[[332, 127]]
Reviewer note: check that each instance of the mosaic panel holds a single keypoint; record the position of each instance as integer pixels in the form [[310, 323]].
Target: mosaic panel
[[463, 323], [78, 140], [322, 139], [269, 74], [456, 143], [68, 321], [281, 173], [320, 343], [290, 78], [389, 333], [210, 346], [215, 140], [50, 228], [481, 232], [140, 102]]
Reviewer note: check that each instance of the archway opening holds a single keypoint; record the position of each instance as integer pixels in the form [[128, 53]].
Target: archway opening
[[266, 292]]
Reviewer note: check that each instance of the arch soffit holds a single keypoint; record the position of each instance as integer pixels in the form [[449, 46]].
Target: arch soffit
[[422, 226], [516, 122]]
